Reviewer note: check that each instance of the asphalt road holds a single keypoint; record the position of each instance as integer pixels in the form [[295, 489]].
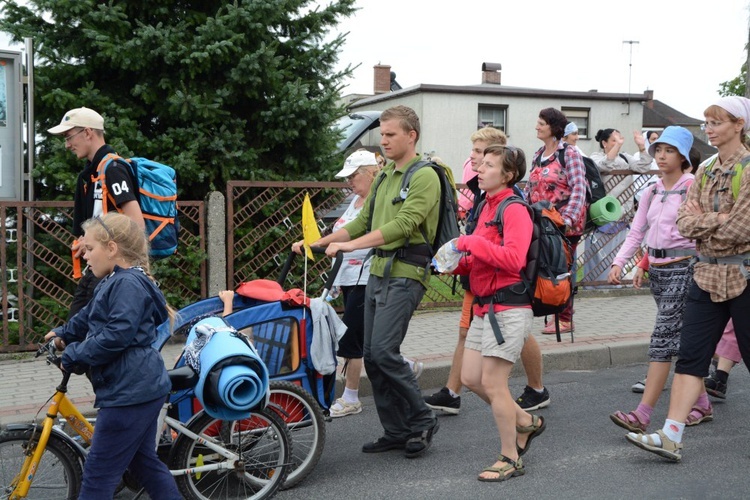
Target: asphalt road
[[582, 454]]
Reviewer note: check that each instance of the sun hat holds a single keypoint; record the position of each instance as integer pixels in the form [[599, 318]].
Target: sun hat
[[356, 160], [570, 128], [679, 137], [79, 117]]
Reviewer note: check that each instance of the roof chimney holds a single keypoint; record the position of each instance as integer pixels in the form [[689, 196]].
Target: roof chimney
[[491, 73], [382, 83]]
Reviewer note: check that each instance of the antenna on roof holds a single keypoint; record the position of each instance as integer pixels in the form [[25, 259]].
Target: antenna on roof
[[630, 67]]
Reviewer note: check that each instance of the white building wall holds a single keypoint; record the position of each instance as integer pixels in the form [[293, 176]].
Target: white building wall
[[448, 120]]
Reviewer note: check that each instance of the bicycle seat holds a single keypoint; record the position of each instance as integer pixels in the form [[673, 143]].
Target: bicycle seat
[[183, 378]]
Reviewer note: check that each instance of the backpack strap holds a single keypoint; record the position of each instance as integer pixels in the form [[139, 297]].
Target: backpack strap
[[735, 172], [742, 260], [405, 181], [506, 295]]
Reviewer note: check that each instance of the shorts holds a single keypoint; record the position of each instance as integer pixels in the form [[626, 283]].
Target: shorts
[[515, 325], [467, 310]]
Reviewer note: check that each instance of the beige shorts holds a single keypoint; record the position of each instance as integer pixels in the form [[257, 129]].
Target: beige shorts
[[515, 325]]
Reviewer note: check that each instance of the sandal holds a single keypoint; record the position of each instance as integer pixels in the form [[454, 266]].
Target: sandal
[[516, 467], [551, 329], [629, 421], [536, 428], [668, 448], [698, 415]]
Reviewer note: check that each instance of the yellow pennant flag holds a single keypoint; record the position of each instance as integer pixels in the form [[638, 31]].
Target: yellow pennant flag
[[310, 230]]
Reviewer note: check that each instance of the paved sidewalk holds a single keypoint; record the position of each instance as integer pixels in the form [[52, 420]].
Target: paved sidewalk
[[611, 330]]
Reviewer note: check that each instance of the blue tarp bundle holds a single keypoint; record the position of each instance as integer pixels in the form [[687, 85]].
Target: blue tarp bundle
[[233, 379]]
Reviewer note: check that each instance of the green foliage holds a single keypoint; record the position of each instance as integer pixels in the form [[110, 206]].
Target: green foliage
[[735, 86], [219, 90]]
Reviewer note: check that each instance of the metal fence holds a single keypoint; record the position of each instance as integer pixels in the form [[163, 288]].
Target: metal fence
[[263, 219], [37, 267]]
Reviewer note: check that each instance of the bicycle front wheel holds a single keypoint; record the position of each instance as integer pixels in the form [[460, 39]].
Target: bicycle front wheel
[[262, 444], [58, 476]]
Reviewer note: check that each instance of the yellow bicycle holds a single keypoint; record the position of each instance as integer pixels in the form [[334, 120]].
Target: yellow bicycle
[[210, 458]]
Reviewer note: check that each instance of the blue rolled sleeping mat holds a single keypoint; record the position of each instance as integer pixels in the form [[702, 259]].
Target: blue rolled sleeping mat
[[233, 379]]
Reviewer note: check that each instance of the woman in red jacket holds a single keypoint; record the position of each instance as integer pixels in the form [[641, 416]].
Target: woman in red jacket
[[494, 262]]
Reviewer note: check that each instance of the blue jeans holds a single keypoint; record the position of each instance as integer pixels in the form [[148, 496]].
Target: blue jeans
[[401, 407], [125, 438]]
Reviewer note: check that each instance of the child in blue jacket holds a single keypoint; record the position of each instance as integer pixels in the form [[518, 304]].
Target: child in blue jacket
[[110, 339]]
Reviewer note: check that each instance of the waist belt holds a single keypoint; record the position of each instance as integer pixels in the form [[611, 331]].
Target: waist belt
[[515, 294], [415, 255], [742, 260], [663, 253]]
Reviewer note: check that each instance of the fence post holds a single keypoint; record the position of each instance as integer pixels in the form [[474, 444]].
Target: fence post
[[216, 242]]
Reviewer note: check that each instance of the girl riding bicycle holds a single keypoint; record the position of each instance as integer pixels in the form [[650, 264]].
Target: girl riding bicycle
[[110, 339]]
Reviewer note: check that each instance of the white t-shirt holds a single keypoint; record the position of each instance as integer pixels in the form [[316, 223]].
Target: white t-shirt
[[349, 273]]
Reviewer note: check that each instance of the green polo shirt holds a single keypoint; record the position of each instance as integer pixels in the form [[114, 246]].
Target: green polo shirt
[[400, 223]]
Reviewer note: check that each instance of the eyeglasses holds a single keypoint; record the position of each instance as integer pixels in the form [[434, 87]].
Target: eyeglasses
[[352, 176], [711, 125], [69, 137], [106, 228]]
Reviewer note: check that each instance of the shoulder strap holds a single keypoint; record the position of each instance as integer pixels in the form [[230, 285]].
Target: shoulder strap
[[737, 179], [625, 158], [101, 170], [406, 179], [707, 172], [378, 181], [500, 212], [561, 155]]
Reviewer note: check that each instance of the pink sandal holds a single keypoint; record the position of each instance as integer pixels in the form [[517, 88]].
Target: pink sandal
[[629, 421], [698, 415]]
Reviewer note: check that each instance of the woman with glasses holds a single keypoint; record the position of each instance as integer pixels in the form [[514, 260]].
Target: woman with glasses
[[495, 338], [716, 214]]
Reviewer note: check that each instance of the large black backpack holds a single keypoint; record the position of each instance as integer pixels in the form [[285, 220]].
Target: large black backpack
[[547, 277], [447, 228]]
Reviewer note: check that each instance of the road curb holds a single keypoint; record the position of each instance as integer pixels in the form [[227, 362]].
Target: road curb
[[582, 357]]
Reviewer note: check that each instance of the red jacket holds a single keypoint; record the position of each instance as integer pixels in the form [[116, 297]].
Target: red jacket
[[495, 262]]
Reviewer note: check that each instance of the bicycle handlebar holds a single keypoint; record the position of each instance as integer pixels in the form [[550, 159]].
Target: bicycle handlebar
[[50, 351]]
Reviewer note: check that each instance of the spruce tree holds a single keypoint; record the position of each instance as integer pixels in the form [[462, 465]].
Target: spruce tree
[[219, 90]]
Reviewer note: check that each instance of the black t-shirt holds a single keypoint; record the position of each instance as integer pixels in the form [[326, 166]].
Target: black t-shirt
[[121, 187]]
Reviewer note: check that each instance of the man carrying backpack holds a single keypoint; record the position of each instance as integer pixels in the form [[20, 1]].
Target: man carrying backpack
[[83, 131], [397, 283]]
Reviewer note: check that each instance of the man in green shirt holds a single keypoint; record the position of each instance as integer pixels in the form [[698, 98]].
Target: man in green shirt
[[397, 282]]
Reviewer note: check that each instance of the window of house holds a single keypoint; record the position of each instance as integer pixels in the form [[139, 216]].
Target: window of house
[[579, 116], [493, 116]]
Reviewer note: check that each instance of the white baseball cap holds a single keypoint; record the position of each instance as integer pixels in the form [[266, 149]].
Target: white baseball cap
[[356, 160], [79, 117]]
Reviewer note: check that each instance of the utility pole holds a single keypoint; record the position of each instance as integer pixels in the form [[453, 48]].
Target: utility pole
[[630, 67]]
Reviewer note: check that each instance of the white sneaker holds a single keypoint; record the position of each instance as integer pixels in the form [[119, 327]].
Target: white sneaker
[[418, 369], [341, 408]]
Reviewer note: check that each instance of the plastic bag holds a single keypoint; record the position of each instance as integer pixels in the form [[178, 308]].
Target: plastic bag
[[447, 257]]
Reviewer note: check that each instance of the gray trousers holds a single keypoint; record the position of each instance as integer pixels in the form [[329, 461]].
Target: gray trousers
[[401, 408]]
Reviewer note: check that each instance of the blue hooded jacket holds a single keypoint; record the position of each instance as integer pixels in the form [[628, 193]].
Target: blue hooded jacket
[[111, 339]]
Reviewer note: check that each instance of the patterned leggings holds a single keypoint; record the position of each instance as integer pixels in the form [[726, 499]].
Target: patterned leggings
[[669, 285]]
